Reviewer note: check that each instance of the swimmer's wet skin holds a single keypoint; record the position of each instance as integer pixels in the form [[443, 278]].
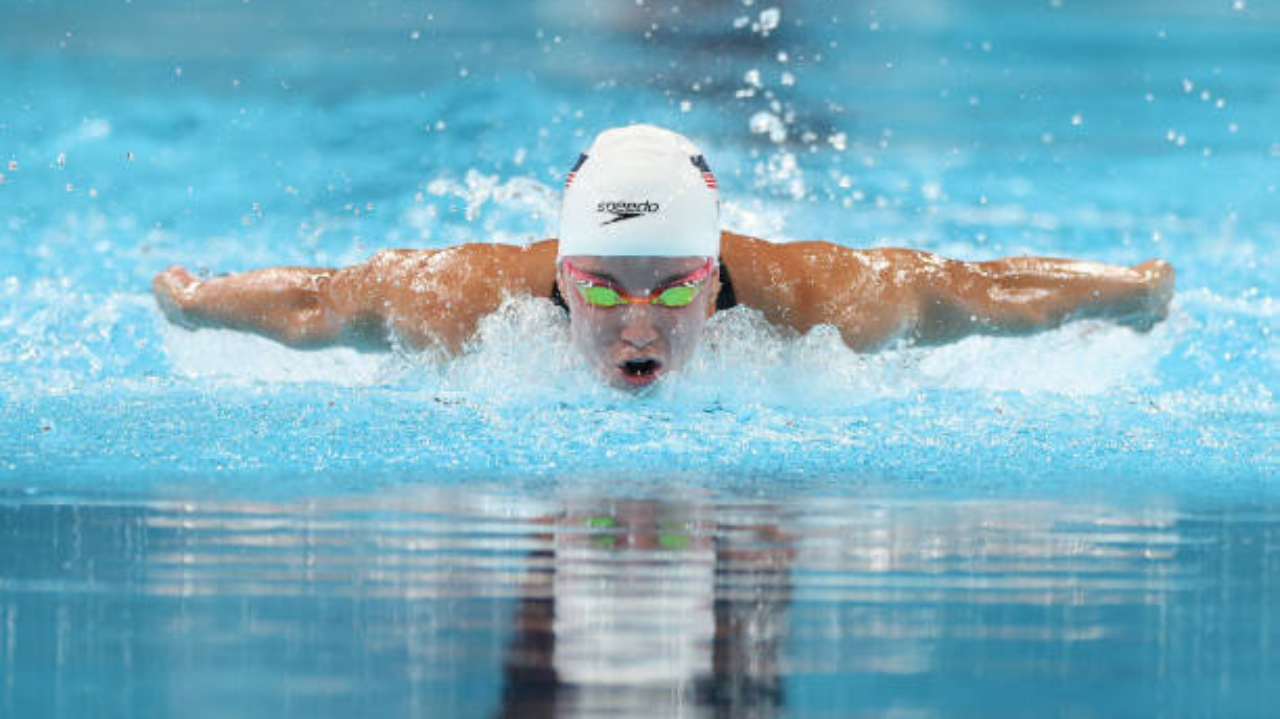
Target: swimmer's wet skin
[[640, 284]]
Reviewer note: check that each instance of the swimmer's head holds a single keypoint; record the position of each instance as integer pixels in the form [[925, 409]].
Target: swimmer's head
[[640, 191], [639, 242]]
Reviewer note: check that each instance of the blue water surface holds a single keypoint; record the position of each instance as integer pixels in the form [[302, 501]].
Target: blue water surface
[[1077, 523]]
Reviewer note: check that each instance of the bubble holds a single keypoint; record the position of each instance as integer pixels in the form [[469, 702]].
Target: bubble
[[1077, 119]]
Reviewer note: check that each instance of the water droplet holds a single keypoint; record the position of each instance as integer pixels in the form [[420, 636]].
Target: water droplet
[[788, 79], [1077, 119], [62, 160], [768, 123], [752, 77], [1187, 86], [415, 35], [685, 106], [1238, 5], [769, 19]]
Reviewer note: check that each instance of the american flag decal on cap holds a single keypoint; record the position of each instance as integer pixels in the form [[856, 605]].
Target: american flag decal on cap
[[700, 162], [573, 172]]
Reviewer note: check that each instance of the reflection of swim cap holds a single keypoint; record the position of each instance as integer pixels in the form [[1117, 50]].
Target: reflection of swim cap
[[640, 190]]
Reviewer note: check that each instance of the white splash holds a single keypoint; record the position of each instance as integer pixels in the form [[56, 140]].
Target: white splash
[[522, 355], [240, 357]]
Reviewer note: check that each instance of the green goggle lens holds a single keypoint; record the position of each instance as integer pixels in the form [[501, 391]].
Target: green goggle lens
[[601, 296], [677, 296], [598, 296]]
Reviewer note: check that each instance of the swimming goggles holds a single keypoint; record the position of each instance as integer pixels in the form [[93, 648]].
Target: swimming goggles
[[600, 292]]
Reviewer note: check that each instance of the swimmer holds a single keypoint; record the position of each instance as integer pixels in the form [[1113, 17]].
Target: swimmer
[[641, 264]]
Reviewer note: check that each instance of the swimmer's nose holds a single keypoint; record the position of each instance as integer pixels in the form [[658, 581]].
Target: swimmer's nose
[[638, 329]]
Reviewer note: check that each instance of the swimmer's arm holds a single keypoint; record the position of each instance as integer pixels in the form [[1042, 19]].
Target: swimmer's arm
[[1020, 295], [423, 298], [292, 305]]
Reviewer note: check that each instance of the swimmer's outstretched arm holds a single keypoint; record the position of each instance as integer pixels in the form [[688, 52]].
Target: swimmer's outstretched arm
[[1018, 295], [288, 304], [874, 296], [423, 298]]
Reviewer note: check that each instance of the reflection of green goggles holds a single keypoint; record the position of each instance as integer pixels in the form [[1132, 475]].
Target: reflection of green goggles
[[601, 292], [670, 537]]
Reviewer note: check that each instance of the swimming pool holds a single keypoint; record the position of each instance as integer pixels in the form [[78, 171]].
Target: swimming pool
[[1083, 522]]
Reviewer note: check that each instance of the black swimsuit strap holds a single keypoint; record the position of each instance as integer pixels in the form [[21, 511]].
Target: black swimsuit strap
[[724, 300]]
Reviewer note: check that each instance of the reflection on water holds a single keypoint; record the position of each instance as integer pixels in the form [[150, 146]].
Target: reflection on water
[[434, 602]]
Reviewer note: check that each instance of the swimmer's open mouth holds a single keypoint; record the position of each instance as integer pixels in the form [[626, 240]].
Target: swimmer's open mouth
[[639, 372], [640, 367]]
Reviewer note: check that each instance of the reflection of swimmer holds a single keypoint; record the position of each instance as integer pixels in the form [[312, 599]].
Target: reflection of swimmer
[[642, 263], [651, 609]]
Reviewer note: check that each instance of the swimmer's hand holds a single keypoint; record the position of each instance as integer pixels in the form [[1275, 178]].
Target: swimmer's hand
[[1157, 280], [174, 290]]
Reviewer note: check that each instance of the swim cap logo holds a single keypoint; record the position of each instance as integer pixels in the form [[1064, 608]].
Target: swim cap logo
[[626, 210]]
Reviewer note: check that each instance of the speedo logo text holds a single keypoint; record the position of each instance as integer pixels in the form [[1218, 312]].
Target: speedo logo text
[[626, 210]]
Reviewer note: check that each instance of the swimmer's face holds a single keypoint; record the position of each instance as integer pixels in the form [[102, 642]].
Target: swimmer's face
[[634, 345]]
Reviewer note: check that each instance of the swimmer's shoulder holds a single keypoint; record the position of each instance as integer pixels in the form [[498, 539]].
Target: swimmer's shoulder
[[801, 284], [506, 268]]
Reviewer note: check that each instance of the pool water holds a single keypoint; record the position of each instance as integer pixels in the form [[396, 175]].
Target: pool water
[[1084, 522]]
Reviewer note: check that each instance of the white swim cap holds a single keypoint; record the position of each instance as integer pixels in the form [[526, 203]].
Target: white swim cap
[[640, 190]]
